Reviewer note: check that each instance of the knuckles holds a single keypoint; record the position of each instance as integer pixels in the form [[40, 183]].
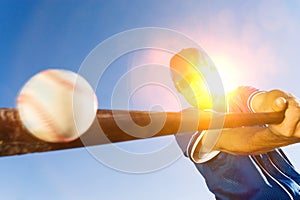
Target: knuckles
[[290, 124]]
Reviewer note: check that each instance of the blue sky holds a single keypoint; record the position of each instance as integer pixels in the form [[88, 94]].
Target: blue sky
[[251, 42]]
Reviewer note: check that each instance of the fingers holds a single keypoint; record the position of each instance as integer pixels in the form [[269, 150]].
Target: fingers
[[290, 125], [272, 101], [279, 104]]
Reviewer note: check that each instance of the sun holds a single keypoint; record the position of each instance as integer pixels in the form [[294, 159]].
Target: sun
[[228, 71]]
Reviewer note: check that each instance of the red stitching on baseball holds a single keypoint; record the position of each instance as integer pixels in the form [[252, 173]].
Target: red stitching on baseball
[[70, 85], [40, 110], [58, 79]]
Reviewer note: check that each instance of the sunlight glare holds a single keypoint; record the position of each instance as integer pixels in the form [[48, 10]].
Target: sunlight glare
[[228, 71]]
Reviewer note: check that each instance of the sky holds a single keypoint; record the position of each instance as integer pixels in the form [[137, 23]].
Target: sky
[[251, 42]]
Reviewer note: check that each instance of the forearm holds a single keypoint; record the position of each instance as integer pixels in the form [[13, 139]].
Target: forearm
[[251, 140], [257, 140]]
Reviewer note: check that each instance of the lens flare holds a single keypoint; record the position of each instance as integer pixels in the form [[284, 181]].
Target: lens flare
[[194, 89], [192, 70]]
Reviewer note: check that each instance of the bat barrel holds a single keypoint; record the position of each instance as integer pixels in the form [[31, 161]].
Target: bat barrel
[[15, 139]]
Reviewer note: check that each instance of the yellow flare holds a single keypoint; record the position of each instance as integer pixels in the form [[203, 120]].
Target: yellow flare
[[189, 80], [196, 92]]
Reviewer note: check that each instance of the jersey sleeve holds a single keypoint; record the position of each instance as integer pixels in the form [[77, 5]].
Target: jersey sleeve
[[199, 149], [240, 100], [190, 142]]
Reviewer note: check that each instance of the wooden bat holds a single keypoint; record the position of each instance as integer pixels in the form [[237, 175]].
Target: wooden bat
[[15, 139]]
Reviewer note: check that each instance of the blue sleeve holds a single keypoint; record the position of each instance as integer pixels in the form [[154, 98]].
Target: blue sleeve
[[264, 176], [184, 140]]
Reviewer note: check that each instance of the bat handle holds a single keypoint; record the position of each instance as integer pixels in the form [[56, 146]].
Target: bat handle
[[273, 117], [252, 119]]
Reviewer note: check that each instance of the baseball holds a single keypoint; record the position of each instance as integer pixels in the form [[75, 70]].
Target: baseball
[[57, 105]]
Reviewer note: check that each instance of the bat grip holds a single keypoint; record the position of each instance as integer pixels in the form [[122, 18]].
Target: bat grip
[[252, 119]]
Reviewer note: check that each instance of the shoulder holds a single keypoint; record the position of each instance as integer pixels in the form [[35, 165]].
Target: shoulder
[[243, 91], [240, 98]]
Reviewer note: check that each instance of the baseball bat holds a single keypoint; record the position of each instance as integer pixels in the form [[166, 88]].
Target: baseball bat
[[123, 125]]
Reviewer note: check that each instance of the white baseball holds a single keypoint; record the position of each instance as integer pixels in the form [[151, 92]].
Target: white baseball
[[57, 105]]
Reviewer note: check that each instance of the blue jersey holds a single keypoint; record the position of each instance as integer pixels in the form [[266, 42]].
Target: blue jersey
[[268, 176]]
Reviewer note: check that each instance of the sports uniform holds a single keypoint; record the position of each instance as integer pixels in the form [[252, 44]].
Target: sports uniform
[[266, 176]]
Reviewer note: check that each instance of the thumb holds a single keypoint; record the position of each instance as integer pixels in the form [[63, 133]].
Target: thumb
[[279, 104]]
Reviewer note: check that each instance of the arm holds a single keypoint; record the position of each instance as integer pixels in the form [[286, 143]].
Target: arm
[[251, 140], [256, 140]]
